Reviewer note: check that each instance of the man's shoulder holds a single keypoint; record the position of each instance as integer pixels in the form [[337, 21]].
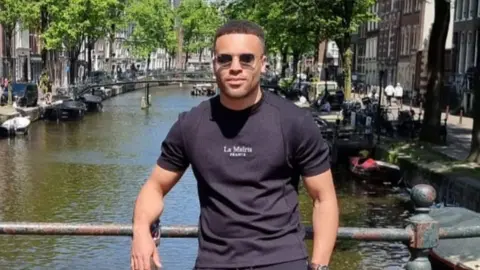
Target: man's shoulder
[[197, 112]]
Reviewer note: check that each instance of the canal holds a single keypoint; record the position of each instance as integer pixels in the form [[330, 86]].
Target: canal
[[92, 170]]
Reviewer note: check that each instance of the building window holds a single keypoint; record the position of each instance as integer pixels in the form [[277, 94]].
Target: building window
[[471, 8], [459, 4], [470, 51], [461, 55], [465, 9]]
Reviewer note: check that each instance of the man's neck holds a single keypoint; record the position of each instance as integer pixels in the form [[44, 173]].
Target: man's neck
[[243, 103]]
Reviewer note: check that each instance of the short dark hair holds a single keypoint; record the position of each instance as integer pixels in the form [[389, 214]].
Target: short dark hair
[[240, 27]]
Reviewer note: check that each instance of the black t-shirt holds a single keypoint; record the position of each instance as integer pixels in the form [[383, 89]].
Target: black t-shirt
[[247, 165]]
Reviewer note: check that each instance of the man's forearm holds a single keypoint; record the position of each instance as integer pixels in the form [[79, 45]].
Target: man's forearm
[[325, 227], [148, 207]]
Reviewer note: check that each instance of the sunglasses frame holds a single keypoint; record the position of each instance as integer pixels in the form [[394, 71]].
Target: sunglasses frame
[[250, 64]]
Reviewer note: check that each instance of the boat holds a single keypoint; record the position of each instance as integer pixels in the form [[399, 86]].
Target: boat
[[456, 254], [374, 171], [93, 102], [65, 110], [16, 126], [203, 89]]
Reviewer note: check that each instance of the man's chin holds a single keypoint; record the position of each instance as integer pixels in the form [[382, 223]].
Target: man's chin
[[236, 93]]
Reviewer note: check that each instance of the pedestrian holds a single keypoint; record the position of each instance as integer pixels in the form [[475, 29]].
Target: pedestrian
[[248, 149], [389, 93], [399, 94]]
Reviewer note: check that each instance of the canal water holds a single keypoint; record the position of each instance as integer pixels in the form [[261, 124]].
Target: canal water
[[92, 170]]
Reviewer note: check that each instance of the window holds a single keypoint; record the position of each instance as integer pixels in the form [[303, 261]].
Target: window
[[459, 7], [465, 9], [471, 9]]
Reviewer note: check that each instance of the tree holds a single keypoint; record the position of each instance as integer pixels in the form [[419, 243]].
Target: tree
[[337, 20], [14, 14], [199, 20], [153, 22], [72, 22], [115, 21], [284, 24], [431, 126]]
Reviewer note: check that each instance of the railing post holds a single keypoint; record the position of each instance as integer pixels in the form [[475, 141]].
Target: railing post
[[423, 228]]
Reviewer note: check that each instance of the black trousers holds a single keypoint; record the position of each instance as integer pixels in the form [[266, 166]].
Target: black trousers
[[293, 265]]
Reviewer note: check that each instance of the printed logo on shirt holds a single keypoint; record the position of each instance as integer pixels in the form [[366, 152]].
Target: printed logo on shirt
[[237, 151]]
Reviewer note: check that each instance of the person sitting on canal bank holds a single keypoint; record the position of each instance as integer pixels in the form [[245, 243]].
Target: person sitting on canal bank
[[389, 91], [248, 149]]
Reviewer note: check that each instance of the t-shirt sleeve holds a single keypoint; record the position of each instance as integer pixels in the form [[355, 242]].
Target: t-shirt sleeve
[[173, 156], [311, 153]]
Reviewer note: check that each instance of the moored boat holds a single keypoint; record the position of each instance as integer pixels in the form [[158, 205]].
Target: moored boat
[[374, 171], [16, 126], [65, 110], [203, 89], [93, 102], [456, 254]]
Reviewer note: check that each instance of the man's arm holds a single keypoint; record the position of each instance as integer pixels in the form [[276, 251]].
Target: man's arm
[[312, 156], [170, 167], [324, 217], [149, 204]]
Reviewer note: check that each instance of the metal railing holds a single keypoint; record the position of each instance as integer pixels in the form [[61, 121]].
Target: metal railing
[[421, 234]]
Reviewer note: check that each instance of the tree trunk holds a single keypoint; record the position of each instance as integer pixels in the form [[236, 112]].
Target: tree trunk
[[284, 53], [148, 62], [9, 52], [347, 72], [89, 56], [43, 28], [200, 56], [186, 60], [296, 59], [435, 67], [475, 143], [111, 41]]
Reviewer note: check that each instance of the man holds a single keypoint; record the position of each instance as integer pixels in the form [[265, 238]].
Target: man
[[399, 94], [389, 93], [247, 149]]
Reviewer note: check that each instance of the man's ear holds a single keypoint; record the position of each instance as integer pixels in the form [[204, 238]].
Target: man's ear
[[264, 64]]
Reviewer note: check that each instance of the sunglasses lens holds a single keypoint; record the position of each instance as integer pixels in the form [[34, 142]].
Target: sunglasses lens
[[247, 58], [224, 59]]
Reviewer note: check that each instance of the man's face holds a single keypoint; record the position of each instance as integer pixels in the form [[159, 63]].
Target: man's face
[[239, 60]]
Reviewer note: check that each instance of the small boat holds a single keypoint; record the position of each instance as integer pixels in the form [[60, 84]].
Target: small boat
[[456, 254], [203, 89], [16, 126], [374, 171], [65, 110], [93, 102]]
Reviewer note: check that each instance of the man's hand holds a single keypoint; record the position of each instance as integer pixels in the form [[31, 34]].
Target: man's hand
[[143, 252]]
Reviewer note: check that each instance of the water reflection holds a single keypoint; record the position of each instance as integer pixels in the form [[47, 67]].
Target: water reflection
[[91, 171]]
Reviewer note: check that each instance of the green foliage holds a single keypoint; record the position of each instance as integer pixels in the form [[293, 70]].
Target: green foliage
[[153, 23], [285, 25], [74, 20], [199, 21]]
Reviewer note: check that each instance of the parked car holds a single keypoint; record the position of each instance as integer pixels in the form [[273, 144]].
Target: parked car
[[24, 94]]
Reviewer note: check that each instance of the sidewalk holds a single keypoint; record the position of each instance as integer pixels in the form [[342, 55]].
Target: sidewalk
[[459, 136]]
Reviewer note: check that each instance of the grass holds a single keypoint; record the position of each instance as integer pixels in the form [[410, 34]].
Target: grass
[[424, 156]]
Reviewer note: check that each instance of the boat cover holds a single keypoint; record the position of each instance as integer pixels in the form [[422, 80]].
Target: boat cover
[[463, 253]]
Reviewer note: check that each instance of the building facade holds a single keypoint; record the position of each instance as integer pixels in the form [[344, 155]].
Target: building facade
[[371, 54], [466, 43], [388, 39]]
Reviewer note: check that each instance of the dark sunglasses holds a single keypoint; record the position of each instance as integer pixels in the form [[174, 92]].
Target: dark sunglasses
[[245, 59]]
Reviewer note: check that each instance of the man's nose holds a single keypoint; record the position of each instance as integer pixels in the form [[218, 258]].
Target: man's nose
[[236, 64]]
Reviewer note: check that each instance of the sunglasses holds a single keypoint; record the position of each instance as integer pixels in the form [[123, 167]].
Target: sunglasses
[[245, 59]]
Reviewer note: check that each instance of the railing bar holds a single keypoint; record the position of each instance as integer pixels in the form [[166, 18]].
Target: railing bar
[[459, 232]]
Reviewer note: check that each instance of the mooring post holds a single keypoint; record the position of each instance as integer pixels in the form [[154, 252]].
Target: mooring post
[[423, 228], [147, 94]]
